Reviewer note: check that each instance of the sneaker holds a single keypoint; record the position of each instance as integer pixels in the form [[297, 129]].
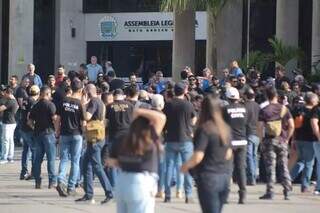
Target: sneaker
[[179, 195], [189, 200], [267, 196], [160, 195], [106, 200], [38, 184], [52, 185], [85, 199], [11, 161], [4, 162], [167, 199], [316, 192], [30, 177], [62, 190], [72, 192], [24, 176]]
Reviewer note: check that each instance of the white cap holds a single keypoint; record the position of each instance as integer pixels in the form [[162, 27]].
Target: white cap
[[232, 93]]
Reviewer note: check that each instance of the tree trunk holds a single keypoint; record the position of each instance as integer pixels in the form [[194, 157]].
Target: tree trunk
[[183, 42]]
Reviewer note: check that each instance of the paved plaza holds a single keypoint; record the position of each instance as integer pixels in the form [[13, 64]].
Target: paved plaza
[[20, 197]]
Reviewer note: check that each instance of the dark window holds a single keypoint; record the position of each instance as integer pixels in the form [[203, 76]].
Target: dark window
[[44, 39], [116, 6], [4, 41]]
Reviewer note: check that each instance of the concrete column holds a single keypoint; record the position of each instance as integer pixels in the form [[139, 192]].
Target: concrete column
[[70, 52], [183, 42], [316, 32], [20, 36], [229, 35], [287, 27]]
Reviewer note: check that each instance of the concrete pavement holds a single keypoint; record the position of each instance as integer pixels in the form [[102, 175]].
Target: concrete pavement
[[20, 197]]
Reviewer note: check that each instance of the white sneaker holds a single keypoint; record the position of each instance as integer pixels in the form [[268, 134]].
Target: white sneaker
[[316, 192], [3, 162], [11, 161]]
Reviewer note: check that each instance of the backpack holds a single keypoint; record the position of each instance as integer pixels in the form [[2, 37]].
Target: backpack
[[274, 128]]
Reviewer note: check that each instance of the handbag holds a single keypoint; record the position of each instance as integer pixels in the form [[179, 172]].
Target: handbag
[[95, 131]]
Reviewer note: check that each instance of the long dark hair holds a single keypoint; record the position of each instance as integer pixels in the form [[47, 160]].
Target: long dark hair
[[139, 139], [212, 121]]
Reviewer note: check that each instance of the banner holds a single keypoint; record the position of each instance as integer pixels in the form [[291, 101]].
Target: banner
[[137, 26]]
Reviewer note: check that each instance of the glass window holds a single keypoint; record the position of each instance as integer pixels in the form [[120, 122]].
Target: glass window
[[116, 6]]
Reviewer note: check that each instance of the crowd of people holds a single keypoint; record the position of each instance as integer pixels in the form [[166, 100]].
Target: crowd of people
[[140, 140]]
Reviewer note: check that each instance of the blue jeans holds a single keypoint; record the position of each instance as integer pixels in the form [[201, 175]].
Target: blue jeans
[[45, 144], [213, 190], [185, 149], [112, 172], [1, 141], [27, 146], [304, 164], [316, 146], [135, 192], [92, 164], [252, 158], [70, 145]]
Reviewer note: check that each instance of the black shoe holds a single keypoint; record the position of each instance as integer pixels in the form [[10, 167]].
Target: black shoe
[[30, 177], [85, 199], [189, 200], [286, 195], [267, 196], [167, 199], [62, 190], [242, 198], [38, 184], [52, 185], [24, 176], [106, 200], [72, 192]]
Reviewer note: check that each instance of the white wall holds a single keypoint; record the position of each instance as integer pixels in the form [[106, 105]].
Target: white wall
[[20, 36], [70, 52]]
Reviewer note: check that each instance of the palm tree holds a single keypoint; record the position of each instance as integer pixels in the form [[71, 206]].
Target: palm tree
[[214, 8]]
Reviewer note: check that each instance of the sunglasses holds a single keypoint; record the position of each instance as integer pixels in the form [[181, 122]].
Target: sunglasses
[[192, 79]]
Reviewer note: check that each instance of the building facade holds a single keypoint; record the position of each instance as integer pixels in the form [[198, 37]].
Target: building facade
[[136, 37]]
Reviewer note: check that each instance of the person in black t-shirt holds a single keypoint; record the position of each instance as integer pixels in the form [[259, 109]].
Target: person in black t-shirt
[[9, 109], [94, 110], [179, 132], [212, 158], [138, 155], [304, 141], [235, 115], [27, 133], [70, 117], [42, 117]]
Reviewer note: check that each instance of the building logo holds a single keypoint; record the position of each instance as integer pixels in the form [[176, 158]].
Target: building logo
[[108, 27]]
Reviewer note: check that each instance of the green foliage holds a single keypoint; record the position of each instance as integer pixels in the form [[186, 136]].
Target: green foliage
[[257, 59], [215, 6], [282, 53]]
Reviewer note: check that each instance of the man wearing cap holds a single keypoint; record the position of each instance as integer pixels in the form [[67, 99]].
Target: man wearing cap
[[235, 115], [93, 69], [275, 148], [108, 67], [180, 119], [119, 116], [27, 133]]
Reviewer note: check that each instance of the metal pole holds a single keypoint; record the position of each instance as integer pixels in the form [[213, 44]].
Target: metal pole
[[248, 33]]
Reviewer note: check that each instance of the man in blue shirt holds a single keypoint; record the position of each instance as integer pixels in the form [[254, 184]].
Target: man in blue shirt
[[93, 69], [235, 69], [32, 76]]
